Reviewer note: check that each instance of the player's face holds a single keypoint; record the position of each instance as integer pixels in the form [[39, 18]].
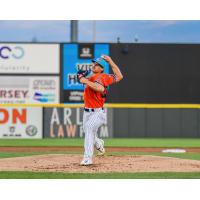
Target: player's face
[[96, 68]]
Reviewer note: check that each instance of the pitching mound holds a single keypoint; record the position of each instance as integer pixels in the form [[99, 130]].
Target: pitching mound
[[70, 164]]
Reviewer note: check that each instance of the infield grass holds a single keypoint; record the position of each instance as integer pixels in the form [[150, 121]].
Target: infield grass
[[111, 142], [57, 175]]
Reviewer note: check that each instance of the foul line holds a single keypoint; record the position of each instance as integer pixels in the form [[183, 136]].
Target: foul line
[[111, 105]]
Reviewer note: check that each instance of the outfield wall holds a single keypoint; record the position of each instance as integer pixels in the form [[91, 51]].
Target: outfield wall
[[156, 73], [153, 73], [156, 122], [126, 122], [41, 74], [66, 122], [21, 122]]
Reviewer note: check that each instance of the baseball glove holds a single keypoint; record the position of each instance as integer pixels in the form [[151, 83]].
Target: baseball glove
[[81, 74]]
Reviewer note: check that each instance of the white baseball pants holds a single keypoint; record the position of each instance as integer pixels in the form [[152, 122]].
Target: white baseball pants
[[91, 122]]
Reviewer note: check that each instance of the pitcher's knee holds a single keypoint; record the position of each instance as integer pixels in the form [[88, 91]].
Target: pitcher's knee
[[90, 127]]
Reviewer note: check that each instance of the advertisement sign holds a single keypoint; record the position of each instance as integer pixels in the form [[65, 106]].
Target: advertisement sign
[[20, 58], [21, 122], [86, 51], [68, 123], [76, 57], [29, 90]]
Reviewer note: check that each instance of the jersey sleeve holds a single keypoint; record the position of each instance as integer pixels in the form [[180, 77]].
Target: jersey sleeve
[[106, 79], [109, 79], [99, 80]]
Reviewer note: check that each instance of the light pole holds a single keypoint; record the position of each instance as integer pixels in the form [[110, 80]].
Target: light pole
[[94, 31], [74, 31]]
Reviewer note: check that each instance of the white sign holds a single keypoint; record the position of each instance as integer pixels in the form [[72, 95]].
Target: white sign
[[29, 58], [29, 90], [21, 122]]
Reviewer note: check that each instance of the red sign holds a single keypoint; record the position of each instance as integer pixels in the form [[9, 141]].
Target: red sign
[[16, 115]]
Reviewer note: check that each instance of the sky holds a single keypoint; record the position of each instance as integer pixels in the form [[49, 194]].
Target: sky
[[152, 31]]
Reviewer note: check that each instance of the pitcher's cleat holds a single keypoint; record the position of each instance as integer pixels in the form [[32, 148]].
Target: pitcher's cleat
[[86, 162], [101, 149]]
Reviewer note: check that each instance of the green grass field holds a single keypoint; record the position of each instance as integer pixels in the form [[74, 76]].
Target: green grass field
[[117, 142], [55, 175], [181, 143]]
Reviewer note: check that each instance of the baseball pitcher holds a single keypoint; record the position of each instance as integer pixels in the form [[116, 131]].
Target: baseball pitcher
[[94, 97]]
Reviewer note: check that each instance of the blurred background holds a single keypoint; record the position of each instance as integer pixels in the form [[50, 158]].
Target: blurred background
[[158, 97]]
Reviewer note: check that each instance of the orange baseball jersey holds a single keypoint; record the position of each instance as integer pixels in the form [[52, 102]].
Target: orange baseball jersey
[[93, 99]]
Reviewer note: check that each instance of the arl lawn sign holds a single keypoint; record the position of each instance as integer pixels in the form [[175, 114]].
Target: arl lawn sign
[[67, 122], [21, 122]]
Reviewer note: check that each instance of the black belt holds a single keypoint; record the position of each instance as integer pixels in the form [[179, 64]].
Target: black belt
[[91, 109]]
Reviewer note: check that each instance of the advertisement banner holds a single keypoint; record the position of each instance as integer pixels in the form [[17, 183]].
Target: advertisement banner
[[20, 58], [76, 57], [29, 90], [68, 123], [21, 122]]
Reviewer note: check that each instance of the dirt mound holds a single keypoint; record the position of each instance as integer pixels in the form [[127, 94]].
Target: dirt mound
[[70, 164]]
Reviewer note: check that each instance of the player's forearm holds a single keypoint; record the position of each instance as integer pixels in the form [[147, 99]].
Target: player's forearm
[[94, 86], [116, 71]]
